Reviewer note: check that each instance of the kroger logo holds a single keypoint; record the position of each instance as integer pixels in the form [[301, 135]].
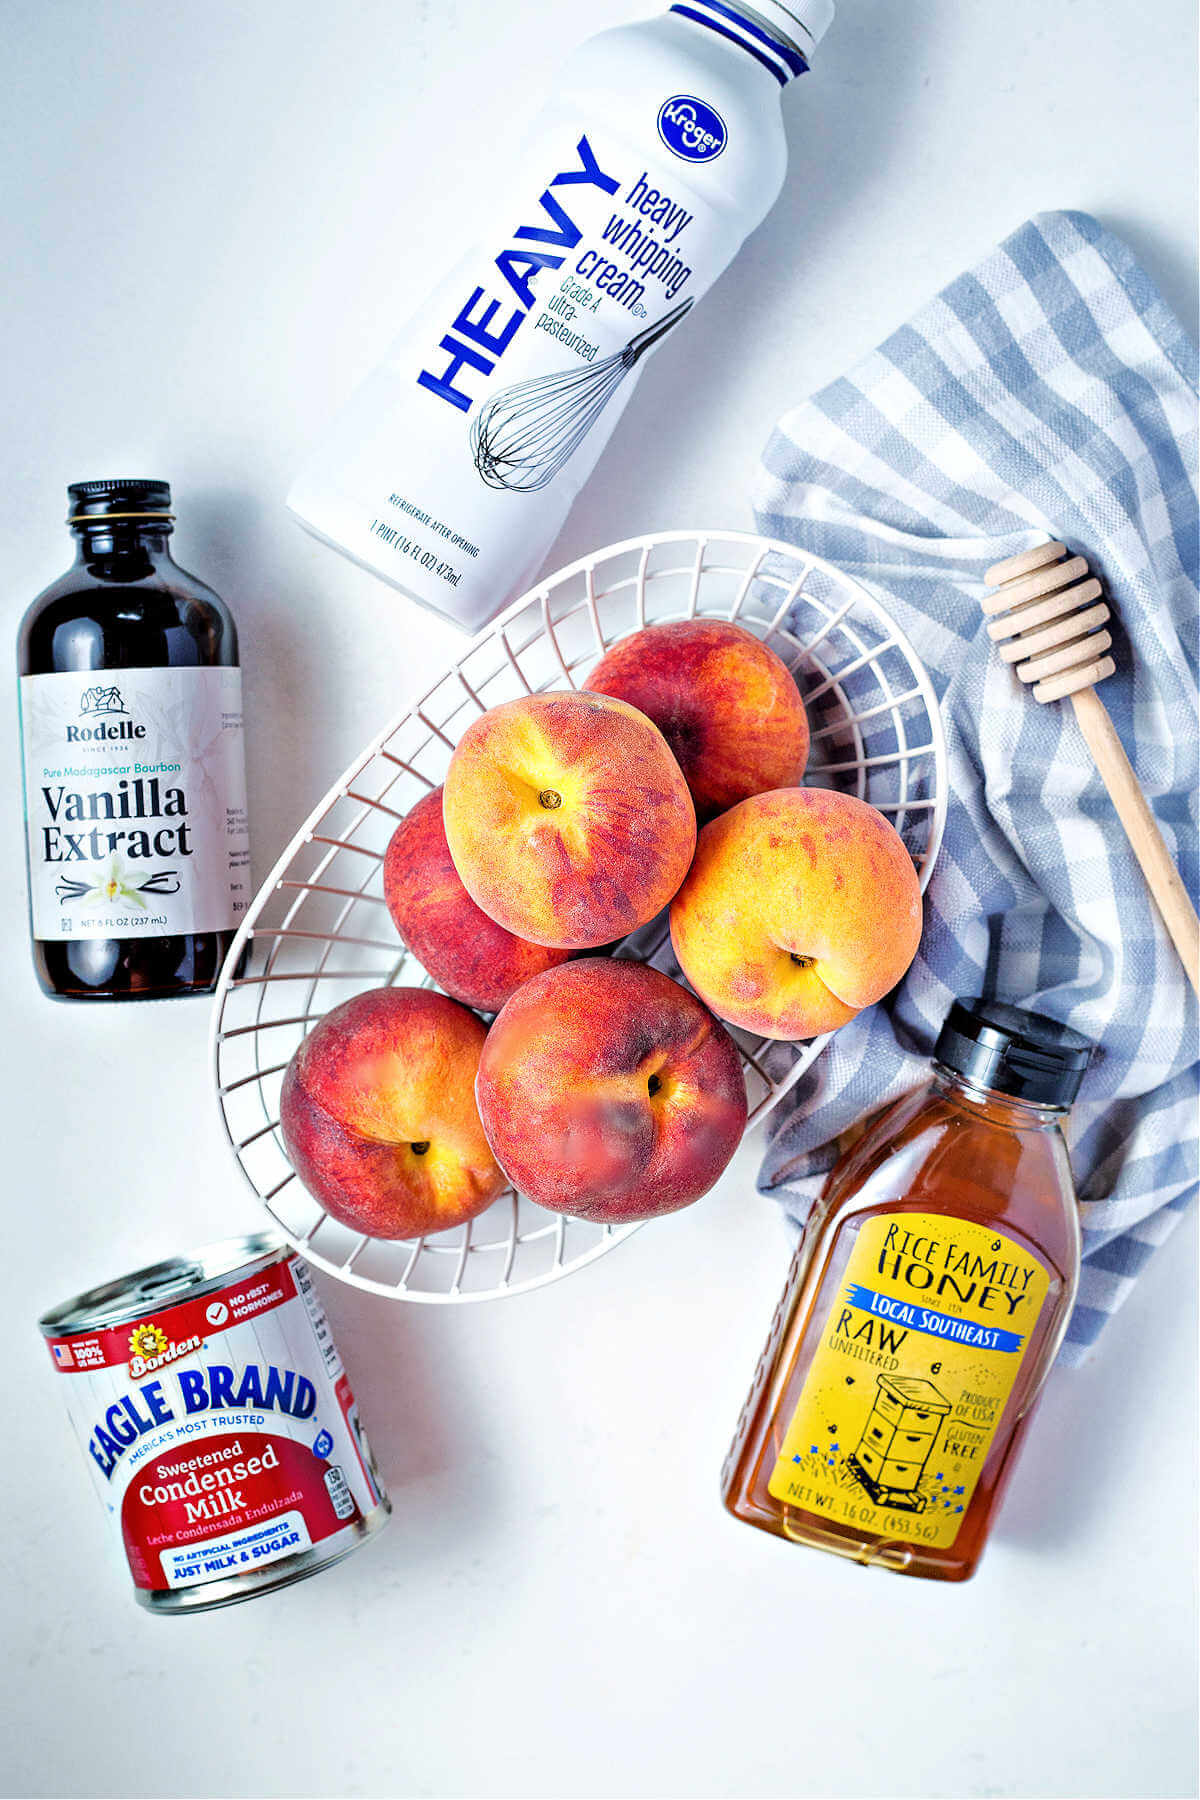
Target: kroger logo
[[692, 129]]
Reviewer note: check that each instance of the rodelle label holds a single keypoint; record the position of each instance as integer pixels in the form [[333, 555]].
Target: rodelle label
[[135, 802], [916, 1359], [221, 1432]]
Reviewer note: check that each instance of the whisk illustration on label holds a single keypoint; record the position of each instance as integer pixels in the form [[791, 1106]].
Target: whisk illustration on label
[[662, 146], [528, 432]]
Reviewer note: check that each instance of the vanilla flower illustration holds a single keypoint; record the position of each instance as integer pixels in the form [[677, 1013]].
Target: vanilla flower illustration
[[115, 886]]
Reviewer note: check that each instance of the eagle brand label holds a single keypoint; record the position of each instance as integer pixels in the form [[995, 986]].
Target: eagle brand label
[[135, 802], [221, 1432], [915, 1362]]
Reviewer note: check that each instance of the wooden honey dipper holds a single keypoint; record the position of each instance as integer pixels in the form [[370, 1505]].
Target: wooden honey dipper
[[1048, 618]]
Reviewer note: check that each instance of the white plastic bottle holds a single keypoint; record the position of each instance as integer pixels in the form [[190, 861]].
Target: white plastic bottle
[[452, 469]]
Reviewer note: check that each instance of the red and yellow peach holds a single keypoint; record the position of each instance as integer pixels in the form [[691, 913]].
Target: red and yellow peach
[[469, 955], [725, 702], [568, 818], [379, 1118], [609, 1092], [802, 906]]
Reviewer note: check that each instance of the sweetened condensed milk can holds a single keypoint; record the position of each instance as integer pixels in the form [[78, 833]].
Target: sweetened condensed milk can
[[925, 1305], [214, 1412]]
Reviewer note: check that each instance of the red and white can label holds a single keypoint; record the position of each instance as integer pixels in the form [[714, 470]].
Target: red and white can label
[[221, 1432]]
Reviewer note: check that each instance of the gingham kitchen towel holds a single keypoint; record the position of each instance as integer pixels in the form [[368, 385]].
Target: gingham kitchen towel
[[1047, 393]]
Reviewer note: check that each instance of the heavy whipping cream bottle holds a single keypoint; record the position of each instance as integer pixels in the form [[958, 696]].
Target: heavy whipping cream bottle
[[661, 148]]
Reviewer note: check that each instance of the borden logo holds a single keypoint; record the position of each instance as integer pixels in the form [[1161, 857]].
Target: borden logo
[[692, 129], [150, 1348]]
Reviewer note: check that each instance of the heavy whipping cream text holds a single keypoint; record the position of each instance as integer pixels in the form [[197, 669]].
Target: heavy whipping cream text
[[221, 1431], [487, 338], [640, 238]]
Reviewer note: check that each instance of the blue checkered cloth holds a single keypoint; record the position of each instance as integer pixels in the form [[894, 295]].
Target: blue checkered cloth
[[1047, 393]]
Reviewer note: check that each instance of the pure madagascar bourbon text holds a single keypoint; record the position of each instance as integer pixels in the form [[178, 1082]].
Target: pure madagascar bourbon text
[[923, 1311]]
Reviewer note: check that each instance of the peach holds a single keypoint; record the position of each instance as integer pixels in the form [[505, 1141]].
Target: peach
[[726, 704], [608, 1092], [469, 955], [378, 1114], [801, 908], [568, 818]]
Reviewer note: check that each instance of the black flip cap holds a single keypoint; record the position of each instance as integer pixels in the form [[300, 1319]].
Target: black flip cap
[[1020, 1053]]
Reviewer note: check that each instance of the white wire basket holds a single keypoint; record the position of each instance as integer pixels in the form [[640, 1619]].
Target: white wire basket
[[319, 931]]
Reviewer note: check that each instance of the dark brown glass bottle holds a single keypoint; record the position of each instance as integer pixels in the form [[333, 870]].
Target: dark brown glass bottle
[[923, 1310], [131, 720]]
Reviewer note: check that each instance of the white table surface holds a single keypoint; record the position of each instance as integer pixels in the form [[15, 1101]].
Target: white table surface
[[214, 216]]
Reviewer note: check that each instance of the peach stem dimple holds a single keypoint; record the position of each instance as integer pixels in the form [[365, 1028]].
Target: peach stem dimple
[[549, 799], [421, 1149], [802, 962]]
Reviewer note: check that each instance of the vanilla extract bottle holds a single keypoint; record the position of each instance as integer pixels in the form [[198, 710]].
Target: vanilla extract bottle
[[135, 787]]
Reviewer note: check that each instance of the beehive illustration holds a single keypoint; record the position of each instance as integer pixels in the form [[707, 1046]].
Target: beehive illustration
[[897, 1440]]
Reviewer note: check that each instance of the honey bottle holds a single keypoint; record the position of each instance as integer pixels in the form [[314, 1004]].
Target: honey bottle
[[923, 1310], [135, 784]]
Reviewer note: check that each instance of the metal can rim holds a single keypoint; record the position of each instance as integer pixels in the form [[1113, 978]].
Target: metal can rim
[[210, 1596], [162, 1284]]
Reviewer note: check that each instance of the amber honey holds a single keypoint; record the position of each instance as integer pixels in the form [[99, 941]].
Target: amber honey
[[923, 1310]]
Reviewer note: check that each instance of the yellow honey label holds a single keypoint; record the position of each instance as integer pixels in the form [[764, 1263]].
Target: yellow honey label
[[915, 1361]]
